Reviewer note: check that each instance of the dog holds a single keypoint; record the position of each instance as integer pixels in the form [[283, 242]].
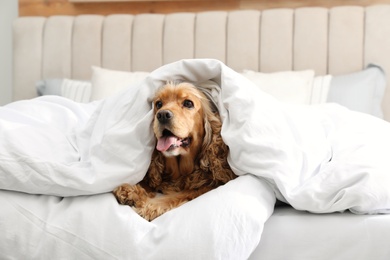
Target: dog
[[190, 157]]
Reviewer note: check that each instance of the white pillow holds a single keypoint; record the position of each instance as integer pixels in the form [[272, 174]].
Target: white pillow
[[320, 89], [107, 82], [79, 91], [297, 87], [287, 86], [76, 90], [361, 91]]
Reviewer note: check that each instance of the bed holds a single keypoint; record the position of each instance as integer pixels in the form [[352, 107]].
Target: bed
[[62, 207]]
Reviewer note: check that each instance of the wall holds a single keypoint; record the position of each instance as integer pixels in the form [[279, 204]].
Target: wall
[[55, 7], [8, 12]]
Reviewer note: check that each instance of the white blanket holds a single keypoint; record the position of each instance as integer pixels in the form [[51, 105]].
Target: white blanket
[[321, 159]]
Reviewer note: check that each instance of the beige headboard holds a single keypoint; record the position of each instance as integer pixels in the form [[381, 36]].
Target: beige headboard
[[330, 41]]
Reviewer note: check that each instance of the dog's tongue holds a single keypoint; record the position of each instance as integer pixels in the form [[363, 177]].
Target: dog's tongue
[[165, 142]]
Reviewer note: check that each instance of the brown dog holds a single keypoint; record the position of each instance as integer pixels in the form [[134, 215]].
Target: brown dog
[[190, 157]]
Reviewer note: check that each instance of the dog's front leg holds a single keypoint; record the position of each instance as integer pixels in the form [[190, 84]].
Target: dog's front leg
[[160, 204]]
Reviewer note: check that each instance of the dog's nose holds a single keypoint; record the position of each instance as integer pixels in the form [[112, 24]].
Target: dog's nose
[[164, 116]]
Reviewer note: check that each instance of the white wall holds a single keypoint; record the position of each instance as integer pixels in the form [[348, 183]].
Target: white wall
[[8, 12]]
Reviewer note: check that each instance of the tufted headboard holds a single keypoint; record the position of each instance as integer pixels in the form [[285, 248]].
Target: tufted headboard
[[330, 41]]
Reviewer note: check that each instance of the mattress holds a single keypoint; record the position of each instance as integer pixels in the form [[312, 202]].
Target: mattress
[[292, 234]]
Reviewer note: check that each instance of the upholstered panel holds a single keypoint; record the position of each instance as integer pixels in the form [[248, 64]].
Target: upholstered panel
[[117, 42], [210, 35], [276, 40], [346, 31], [147, 48], [86, 45], [243, 45], [377, 44], [179, 37], [57, 46], [311, 39], [27, 67]]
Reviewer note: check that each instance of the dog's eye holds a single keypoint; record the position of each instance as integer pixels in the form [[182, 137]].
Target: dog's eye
[[188, 103], [158, 104]]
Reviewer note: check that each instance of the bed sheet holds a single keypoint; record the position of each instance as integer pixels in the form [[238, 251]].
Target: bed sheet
[[296, 235]]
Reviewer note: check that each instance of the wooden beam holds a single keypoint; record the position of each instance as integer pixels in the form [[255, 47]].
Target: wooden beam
[[65, 7]]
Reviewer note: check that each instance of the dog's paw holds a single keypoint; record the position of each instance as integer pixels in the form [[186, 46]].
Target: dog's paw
[[147, 205], [149, 212], [132, 195], [122, 194]]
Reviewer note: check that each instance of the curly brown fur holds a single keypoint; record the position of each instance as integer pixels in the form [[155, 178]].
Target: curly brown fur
[[190, 158]]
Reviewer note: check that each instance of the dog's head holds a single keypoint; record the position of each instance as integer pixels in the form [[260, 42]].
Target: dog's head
[[188, 133], [179, 117]]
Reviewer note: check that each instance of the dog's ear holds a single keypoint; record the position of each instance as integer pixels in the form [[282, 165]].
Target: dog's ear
[[156, 168], [214, 153]]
